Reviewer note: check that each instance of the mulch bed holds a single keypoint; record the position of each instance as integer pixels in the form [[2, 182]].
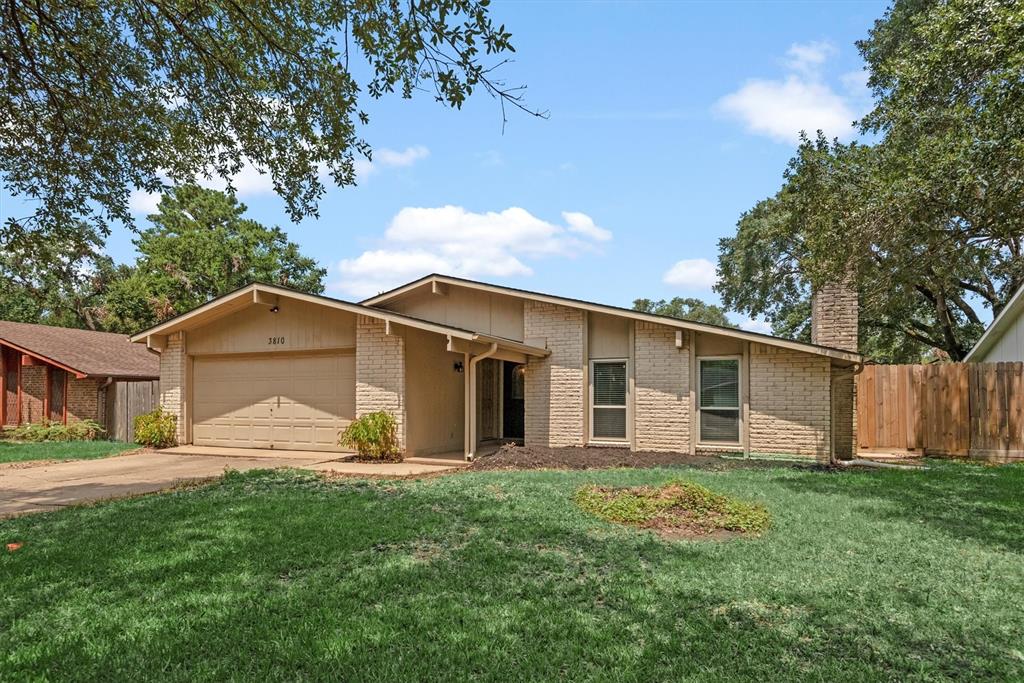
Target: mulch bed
[[512, 457]]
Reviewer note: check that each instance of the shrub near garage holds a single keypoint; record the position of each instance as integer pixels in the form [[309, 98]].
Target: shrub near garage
[[157, 429], [374, 436]]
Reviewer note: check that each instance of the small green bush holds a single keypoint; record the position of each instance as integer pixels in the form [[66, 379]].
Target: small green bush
[[84, 430], [157, 429], [374, 436]]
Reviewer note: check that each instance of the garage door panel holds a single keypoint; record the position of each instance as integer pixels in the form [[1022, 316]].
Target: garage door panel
[[286, 402]]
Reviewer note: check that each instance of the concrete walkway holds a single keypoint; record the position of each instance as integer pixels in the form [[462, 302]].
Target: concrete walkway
[[25, 488]]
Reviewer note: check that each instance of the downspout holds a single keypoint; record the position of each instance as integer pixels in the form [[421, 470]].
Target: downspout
[[471, 403]]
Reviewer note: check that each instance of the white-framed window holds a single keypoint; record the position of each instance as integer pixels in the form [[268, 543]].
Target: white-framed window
[[718, 399], [608, 387]]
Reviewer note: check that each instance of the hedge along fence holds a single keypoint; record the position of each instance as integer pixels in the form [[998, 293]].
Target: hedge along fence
[[951, 409]]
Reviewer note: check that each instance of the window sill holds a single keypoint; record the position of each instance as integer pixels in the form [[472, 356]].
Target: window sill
[[608, 444]]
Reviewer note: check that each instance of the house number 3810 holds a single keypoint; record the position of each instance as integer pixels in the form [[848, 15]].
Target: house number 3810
[[275, 341]]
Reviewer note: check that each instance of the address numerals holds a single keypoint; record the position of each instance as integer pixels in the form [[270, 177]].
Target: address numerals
[[275, 341]]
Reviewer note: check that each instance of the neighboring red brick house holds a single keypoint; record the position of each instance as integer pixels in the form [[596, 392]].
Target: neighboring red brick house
[[61, 374]]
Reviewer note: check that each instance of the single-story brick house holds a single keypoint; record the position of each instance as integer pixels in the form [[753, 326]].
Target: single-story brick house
[[61, 374], [460, 363]]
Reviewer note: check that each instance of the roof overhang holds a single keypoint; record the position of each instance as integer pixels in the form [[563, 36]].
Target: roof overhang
[[1000, 324], [43, 359], [434, 280], [268, 295]]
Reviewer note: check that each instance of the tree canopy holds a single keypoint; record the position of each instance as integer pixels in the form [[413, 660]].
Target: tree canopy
[[104, 97], [198, 247], [685, 308], [929, 220]]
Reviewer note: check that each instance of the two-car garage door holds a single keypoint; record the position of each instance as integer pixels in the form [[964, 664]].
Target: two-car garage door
[[286, 401]]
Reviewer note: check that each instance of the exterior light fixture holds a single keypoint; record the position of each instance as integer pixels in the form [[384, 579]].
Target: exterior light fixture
[[458, 366], [274, 309]]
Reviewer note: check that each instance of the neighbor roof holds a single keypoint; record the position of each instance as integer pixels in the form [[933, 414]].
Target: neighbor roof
[[252, 289], [83, 352], [1013, 308], [831, 352]]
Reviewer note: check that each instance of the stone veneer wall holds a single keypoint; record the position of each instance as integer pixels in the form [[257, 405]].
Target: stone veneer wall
[[555, 386], [834, 316], [661, 402], [380, 371], [789, 402], [172, 381]]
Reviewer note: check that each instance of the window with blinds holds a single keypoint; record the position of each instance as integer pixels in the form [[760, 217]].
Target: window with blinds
[[608, 400], [719, 400]]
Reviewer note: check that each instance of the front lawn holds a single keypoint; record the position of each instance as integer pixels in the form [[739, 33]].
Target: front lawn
[[880, 575], [11, 451]]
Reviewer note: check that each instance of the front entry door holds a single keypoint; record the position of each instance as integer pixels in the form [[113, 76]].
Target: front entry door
[[513, 403]]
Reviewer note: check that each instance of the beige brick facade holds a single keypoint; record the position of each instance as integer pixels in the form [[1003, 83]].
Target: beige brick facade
[[555, 386], [172, 382], [380, 371], [661, 402], [789, 402]]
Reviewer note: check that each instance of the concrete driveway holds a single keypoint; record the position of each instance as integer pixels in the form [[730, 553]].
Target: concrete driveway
[[25, 488]]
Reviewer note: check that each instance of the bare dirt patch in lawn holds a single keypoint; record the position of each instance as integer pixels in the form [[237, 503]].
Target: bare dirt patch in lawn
[[676, 510], [512, 457]]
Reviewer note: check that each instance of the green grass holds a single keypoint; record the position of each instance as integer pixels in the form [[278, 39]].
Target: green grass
[[880, 575], [61, 450]]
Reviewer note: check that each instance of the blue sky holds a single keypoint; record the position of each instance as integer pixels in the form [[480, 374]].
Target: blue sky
[[668, 119]]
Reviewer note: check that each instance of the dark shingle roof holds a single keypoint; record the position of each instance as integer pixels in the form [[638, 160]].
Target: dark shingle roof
[[99, 354]]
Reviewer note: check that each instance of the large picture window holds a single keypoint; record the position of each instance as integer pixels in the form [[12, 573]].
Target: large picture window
[[608, 400], [719, 400]]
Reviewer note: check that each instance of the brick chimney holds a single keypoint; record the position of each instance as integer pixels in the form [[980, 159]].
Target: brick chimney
[[834, 311]]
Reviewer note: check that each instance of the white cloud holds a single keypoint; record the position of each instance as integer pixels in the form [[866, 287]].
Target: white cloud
[[389, 158], [695, 273], [584, 225], [455, 241], [808, 58], [384, 158], [251, 181], [143, 203], [755, 325], [802, 100]]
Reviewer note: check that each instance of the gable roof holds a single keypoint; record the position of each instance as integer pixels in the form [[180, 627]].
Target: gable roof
[[1011, 311], [250, 293], [82, 352], [838, 354]]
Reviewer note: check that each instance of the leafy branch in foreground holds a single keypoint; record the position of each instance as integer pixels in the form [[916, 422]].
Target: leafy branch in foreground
[[105, 97]]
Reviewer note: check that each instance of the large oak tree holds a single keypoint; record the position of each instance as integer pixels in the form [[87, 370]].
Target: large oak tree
[[929, 221]]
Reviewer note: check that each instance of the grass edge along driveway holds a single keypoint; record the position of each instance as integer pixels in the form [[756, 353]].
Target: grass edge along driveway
[[20, 451], [281, 575]]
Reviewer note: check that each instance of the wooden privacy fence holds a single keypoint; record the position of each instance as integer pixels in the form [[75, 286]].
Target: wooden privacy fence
[[127, 399], [957, 409]]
